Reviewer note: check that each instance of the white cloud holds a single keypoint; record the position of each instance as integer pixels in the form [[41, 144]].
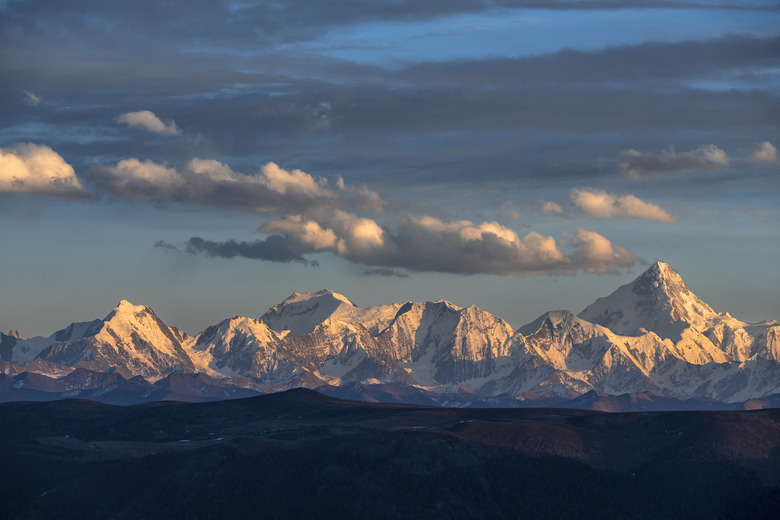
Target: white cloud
[[765, 153], [132, 179], [596, 254], [707, 157], [309, 234], [553, 207], [293, 181], [425, 243], [358, 236], [601, 204], [31, 99], [38, 170], [212, 183], [149, 121]]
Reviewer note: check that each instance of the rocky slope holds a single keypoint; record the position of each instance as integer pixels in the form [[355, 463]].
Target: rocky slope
[[650, 336]]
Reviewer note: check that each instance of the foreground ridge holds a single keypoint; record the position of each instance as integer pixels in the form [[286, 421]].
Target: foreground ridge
[[300, 454]]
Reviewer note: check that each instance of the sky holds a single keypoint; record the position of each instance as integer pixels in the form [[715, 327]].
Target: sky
[[208, 158]]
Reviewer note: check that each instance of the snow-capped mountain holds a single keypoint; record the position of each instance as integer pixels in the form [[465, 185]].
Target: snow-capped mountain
[[657, 301], [301, 313], [241, 347], [131, 339], [652, 335]]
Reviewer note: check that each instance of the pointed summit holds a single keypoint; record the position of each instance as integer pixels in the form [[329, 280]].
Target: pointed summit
[[126, 314], [658, 300]]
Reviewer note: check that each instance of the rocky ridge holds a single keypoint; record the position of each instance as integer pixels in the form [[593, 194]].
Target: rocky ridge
[[652, 335]]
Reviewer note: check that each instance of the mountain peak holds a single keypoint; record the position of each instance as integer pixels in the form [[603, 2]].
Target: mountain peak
[[126, 311], [554, 320], [661, 271], [125, 305], [302, 312], [658, 300], [323, 294]]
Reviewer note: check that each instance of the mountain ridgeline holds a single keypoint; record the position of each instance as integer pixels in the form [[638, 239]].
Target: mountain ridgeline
[[652, 337]]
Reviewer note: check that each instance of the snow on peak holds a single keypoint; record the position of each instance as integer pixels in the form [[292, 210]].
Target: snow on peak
[[658, 300], [127, 319], [448, 305], [324, 293], [554, 320], [300, 313], [126, 307]]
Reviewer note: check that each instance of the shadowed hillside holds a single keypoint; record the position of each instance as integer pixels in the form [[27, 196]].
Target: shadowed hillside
[[302, 454]]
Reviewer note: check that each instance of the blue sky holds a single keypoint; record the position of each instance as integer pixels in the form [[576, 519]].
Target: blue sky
[[209, 158]]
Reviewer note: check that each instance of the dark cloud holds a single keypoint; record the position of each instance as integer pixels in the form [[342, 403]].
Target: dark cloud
[[723, 58], [384, 271], [271, 249], [209, 25], [708, 158], [246, 97], [161, 244], [426, 123]]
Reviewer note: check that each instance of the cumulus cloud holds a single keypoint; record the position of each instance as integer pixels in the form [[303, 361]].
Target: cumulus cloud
[[141, 180], [553, 207], [31, 99], [38, 170], [596, 254], [707, 157], [600, 204], [307, 235], [425, 243], [149, 121], [209, 182], [765, 153]]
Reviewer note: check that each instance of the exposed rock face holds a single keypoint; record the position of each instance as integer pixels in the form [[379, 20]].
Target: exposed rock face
[[131, 337], [657, 301], [652, 335]]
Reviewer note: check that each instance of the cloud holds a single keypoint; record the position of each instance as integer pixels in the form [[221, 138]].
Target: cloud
[[425, 243], [595, 254], [38, 170], [707, 157], [211, 183], [630, 63], [384, 271], [150, 122], [274, 248], [142, 180], [306, 234], [765, 153], [601, 204], [321, 115], [31, 99], [553, 207], [162, 244]]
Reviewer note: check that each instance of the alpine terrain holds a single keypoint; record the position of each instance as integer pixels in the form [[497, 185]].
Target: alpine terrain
[[651, 338]]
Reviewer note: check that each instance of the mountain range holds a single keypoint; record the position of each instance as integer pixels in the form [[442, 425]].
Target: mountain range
[[651, 338]]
